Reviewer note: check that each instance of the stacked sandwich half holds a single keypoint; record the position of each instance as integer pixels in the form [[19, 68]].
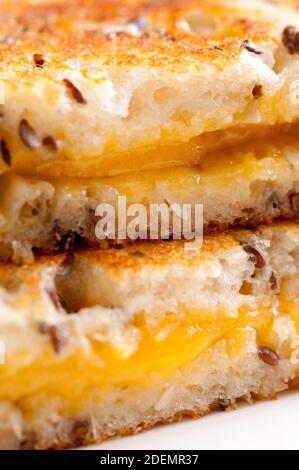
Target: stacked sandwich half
[[182, 102]]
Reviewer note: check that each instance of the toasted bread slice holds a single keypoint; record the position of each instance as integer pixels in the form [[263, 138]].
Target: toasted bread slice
[[96, 88], [257, 185], [105, 343]]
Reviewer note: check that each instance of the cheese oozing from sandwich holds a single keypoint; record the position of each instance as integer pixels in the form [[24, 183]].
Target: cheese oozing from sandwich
[[240, 186], [91, 353]]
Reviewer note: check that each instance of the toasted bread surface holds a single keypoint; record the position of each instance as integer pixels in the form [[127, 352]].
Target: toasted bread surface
[[167, 332], [81, 84]]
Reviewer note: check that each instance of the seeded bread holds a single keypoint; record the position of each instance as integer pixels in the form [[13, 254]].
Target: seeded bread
[[82, 83], [55, 216], [84, 99], [64, 318]]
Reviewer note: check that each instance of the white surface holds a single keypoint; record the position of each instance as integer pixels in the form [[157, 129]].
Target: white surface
[[267, 425]]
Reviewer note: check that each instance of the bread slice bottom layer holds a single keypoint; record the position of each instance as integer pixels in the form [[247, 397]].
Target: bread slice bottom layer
[[236, 187], [226, 371], [82, 373]]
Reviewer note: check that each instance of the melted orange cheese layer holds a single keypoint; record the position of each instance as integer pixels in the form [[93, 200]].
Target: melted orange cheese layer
[[222, 146], [162, 351], [206, 178]]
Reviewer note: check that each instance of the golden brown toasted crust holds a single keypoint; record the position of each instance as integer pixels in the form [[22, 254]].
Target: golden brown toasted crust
[[143, 253], [31, 315], [56, 27], [130, 256], [158, 253], [86, 51], [86, 440]]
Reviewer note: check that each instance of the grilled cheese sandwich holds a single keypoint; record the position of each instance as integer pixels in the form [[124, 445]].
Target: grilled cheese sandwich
[[242, 189], [160, 101], [139, 101], [81, 85], [115, 341]]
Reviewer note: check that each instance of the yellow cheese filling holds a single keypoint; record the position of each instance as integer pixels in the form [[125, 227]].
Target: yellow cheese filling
[[208, 177], [223, 174], [162, 351], [213, 184], [222, 145]]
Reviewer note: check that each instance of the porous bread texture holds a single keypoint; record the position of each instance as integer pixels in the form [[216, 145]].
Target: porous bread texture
[[213, 277], [105, 289], [105, 298], [141, 278], [133, 108], [216, 381], [52, 216], [134, 98]]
